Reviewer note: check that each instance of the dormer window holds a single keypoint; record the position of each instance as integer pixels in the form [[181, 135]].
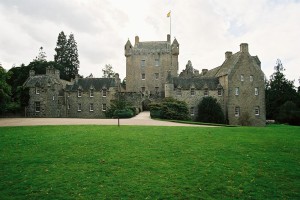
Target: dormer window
[[104, 92], [178, 91], [192, 91], [219, 91], [79, 93], [206, 92], [91, 92], [37, 90]]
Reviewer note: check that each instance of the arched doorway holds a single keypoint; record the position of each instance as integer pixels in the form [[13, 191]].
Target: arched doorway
[[145, 105]]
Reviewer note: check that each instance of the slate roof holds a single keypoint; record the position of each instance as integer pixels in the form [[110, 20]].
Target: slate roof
[[86, 84], [157, 45], [41, 81], [199, 83]]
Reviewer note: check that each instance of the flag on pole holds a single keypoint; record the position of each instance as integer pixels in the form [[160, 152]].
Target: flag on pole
[[169, 14]]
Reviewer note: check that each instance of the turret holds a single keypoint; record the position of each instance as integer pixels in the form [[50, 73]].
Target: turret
[[175, 47], [128, 49]]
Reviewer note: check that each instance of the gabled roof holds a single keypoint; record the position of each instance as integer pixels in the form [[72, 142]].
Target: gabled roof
[[198, 83], [226, 67], [41, 81], [86, 84]]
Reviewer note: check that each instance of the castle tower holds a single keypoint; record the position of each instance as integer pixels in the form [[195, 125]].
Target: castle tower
[[148, 64]]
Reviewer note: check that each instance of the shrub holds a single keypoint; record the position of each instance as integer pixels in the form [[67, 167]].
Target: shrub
[[125, 113], [289, 113], [170, 109], [210, 111]]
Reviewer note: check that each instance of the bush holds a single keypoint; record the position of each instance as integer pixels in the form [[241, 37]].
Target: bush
[[210, 111], [170, 109], [289, 113], [125, 113]]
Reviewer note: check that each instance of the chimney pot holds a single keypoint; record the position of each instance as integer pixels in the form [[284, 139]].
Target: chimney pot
[[228, 54], [204, 71], [168, 38], [137, 40], [244, 48]]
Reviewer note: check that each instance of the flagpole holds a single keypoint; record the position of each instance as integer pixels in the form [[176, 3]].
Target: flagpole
[[170, 26]]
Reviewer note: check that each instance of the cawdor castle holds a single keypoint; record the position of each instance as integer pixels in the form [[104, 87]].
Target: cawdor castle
[[151, 75]]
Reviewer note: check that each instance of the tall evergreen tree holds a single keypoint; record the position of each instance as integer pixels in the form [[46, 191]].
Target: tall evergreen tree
[[72, 57], [42, 55], [278, 91], [61, 49]]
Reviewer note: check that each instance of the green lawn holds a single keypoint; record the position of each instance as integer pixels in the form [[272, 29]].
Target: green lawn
[[134, 162]]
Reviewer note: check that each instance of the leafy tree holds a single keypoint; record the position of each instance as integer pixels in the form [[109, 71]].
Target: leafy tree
[[278, 91], [108, 71], [5, 90], [42, 56], [210, 111]]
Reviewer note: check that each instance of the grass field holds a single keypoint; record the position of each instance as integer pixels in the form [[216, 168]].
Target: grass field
[[134, 162]]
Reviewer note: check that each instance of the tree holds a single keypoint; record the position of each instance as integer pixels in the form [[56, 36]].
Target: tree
[[210, 111], [42, 56], [289, 113], [5, 90], [72, 58], [278, 91], [108, 71], [67, 56]]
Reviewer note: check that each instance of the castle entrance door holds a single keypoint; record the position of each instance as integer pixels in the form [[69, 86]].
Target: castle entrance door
[[145, 104]]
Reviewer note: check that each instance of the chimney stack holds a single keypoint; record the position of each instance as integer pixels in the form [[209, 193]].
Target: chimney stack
[[228, 54], [204, 71], [244, 48], [31, 72], [137, 40]]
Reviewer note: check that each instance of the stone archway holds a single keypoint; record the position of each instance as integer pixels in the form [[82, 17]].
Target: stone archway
[[145, 105]]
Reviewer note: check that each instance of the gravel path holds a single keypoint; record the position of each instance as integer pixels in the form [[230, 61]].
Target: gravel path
[[141, 119]]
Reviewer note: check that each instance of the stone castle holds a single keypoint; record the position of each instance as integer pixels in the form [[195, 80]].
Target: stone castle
[[152, 74]]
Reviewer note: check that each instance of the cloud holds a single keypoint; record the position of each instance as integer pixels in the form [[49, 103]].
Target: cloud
[[204, 29]]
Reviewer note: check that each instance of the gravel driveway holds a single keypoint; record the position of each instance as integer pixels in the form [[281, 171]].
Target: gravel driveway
[[142, 119]]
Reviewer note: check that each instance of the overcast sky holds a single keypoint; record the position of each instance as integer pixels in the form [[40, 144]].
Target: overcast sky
[[205, 30]]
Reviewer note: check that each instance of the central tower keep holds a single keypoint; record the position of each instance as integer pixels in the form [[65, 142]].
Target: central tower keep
[[148, 65]]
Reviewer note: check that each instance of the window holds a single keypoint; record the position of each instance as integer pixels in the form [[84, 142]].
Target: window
[[242, 77], [92, 93], [69, 106], [79, 93], [37, 90], [237, 91], [79, 107], [256, 91], [91, 107], [143, 89], [156, 62], [256, 110], [219, 92], [53, 97], [205, 92], [143, 63], [37, 106], [251, 78], [156, 90], [237, 111], [143, 76], [178, 91], [156, 76], [192, 111], [104, 92], [193, 91], [104, 107]]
